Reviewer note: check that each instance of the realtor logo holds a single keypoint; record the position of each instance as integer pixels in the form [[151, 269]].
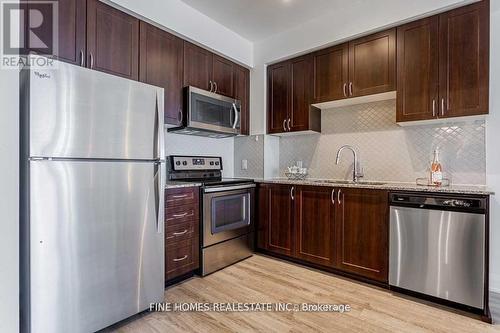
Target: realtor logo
[[28, 27]]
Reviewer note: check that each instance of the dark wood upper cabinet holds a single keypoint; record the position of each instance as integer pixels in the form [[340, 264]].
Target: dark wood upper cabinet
[[161, 65], [314, 215], [197, 66], [362, 225], [418, 63], [372, 64], [222, 76], [72, 31], [331, 73], [464, 60], [443, 65], [289, 97], [242, 93], [278, 97], [71, 45], [275, 226], [112, 40], [300, 94]]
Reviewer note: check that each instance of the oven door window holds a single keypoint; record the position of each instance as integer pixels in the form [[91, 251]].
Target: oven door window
[[230, 212]]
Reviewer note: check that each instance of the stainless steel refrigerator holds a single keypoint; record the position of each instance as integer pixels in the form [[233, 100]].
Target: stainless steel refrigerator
[[92, 198]]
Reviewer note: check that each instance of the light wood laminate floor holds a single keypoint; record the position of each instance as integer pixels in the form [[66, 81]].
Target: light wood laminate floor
[[264, 279]]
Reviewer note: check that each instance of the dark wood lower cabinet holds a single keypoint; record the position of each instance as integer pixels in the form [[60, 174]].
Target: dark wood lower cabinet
[[314, 213], [342, 230], [275, 222], [362, 223], [182, 240]]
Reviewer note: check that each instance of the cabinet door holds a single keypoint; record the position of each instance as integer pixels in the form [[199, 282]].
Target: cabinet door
[[242, 93], [197, 66], [372, 64], [362, 232], [331, 73], [222, 76], [276, 218], [161, 65], [278, 97], [464, 60], [418, 71], [300, 93], [314, 216], [71, 29], [112, 40]]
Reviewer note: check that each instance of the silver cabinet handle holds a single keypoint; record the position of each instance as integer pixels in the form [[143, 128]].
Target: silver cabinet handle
[[180, 233], [181, 117], [177, 216], [433, 107], [180, 196], [81, 58], [338, 197], [292, 193], [284, 125], [211, 86], [350, 88], [215, 84], [344, 89], [180, 259], [91, 60], [289, 128], [442, 106], [333, 196]]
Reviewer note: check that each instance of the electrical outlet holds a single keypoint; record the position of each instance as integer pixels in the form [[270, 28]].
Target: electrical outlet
[[244, 164]]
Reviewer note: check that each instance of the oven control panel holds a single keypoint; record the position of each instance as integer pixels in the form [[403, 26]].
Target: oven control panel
[[188, 163]]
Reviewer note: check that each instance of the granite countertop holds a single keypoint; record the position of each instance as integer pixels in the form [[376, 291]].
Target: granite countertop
[[456, 189], [175, 184]]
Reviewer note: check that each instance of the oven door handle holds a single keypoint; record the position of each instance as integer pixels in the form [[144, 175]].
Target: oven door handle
[[227, 188]]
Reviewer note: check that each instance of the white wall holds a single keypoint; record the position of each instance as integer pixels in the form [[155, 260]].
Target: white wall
[[492, 139], [360, 17], [9, 152], [190, 23]]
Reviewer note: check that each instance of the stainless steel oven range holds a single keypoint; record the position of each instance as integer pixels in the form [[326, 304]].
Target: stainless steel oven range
[[227, 209]]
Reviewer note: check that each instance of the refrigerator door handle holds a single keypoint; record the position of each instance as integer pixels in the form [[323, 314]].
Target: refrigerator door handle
[[159, 197], [159, 133]]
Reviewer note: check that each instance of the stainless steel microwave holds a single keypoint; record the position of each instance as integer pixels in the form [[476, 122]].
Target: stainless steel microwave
[[209, 114]]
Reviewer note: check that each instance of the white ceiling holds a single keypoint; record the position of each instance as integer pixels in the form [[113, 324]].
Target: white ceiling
[[256, 20]]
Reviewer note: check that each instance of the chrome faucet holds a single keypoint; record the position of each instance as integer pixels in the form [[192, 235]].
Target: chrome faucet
[[357, 171]]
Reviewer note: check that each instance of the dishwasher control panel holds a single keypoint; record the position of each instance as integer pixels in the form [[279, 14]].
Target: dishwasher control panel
[[444, 202]]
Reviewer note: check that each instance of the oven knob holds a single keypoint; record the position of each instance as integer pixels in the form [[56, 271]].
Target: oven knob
[[216, 163], [178, 163], [211, 163], [185, 163]]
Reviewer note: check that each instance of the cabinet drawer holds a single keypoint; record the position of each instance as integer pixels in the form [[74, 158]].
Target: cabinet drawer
[[181, 257], [181, 196], [179, 232], [181, 214]]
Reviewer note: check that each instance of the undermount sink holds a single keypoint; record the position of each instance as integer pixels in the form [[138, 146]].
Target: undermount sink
[[349, 182]]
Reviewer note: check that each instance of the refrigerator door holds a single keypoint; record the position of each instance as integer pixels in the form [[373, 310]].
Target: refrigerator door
[[76, 112], [96, 242]]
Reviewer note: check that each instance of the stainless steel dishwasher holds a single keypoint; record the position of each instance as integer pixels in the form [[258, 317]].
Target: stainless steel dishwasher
[[437, 246]]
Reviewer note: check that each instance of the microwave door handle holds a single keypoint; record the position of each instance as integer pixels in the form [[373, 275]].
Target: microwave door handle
[[236, 118]]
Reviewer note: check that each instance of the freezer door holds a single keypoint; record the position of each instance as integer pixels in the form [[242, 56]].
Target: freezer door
[[97, 246], [438, 253], [76, 112]]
